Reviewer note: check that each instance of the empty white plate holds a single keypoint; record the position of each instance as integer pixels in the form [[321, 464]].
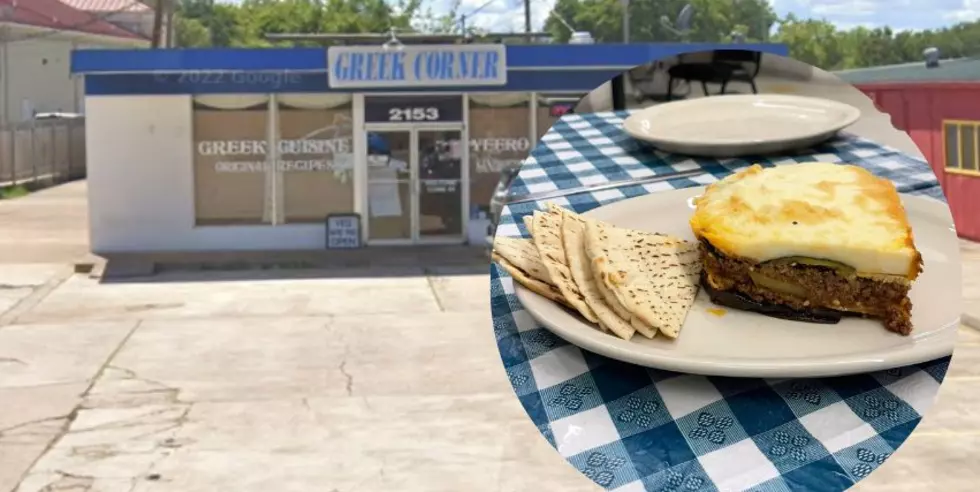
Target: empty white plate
[[737, 125], [727, 342]]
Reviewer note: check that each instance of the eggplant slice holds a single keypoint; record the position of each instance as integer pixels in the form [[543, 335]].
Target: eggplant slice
[[742, 302]]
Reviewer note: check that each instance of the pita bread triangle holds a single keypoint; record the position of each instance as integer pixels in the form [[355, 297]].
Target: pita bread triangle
[[573, 236], [547, 237], [522, 254], [654, 277], [543, 289], [529, 224], [597, 252]]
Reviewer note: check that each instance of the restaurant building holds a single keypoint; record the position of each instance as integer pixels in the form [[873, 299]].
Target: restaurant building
[[253, 149]]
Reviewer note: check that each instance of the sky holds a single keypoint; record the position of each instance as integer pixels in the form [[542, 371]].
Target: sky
[[899, 14], [505, 16]]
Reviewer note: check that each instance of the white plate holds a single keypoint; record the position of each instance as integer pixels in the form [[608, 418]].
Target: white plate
[[744, 344], [738, 125]]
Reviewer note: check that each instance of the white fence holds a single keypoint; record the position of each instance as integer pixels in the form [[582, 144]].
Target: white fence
[[42, 153]]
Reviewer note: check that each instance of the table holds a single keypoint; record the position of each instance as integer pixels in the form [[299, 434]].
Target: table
[[634, 429]]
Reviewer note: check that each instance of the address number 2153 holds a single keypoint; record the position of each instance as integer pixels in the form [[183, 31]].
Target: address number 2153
[[413, 114]]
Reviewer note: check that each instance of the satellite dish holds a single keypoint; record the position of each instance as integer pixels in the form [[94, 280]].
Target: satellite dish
[[683, 22], [682, 25]]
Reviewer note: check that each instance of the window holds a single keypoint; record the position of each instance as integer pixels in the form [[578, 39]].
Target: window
[[500, 137], [236, 141], [316, 156], [961, 140], [232, 183], [551, 107]]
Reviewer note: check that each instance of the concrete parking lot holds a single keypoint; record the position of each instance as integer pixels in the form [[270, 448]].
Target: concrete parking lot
[[292, 381]]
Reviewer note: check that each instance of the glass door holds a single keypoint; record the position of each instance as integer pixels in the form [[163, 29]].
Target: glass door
[[439, 186], [391, 186]]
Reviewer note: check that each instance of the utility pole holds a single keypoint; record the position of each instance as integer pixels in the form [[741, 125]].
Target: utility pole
[[171, 29], [527, 21], [626, 21], [6, 12], [158, 15]]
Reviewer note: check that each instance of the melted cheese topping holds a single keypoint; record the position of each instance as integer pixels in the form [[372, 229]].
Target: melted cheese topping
[[833, 212]]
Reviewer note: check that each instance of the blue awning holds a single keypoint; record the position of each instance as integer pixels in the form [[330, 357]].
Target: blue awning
[[541, 68]]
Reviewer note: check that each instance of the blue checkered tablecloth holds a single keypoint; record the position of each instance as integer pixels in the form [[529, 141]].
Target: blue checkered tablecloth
[[630, 428]]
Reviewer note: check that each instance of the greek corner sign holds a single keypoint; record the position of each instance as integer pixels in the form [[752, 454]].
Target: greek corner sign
[[361, 67]]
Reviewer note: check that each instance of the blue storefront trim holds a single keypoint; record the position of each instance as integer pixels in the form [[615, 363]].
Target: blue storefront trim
[[554, 68]]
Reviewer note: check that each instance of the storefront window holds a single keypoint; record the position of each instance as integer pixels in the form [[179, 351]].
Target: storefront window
[[500, 137], [551, 107], [232, 185], [316, 164]]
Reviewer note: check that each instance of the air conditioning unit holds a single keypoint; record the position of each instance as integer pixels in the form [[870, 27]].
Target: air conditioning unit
[[932, 57]]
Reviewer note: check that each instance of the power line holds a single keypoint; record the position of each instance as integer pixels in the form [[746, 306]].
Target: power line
[[463, 17], [103, 17]]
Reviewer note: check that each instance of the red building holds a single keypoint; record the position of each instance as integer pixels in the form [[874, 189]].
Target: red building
[[939, 107]]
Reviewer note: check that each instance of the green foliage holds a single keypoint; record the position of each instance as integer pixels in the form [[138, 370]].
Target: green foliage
[[819, 43], [12, 192], [208, 23], [713, 20], [191, 33], [815, 41]]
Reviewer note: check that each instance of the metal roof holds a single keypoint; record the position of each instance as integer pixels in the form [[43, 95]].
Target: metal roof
[[107, 6], [950, 70]]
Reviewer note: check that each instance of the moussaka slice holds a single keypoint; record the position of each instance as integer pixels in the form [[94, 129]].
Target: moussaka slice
[[810, 242]]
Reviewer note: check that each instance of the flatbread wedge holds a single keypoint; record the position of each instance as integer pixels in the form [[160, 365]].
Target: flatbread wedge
[[547, 238], [543, 289], [529, 224], [597, 251], [522, 254], [573, 237], [654, 277]]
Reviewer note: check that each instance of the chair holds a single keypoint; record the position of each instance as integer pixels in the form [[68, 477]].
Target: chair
[[725, 66], [643, 80]]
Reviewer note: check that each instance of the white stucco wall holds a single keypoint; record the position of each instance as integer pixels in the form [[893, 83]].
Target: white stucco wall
[[35, 70], [141, 185], [38, 73]]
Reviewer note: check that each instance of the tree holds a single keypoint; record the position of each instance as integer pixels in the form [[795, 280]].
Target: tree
[[815, 42], [191, 33], [713, 20], [247, 24]]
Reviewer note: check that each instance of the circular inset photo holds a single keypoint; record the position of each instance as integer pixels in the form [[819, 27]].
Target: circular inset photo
[[728, 270]]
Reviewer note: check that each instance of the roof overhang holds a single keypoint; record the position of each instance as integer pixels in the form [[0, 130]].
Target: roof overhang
[[529, 68], [16, 32]]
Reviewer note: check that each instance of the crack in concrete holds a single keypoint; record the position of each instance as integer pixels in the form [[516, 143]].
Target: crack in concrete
[[94, 452], [435, 292], [69, 482], [130, 375], [136, 421], [343, 370], [12, 360], [73, 415], [31, 422], [30, 301]]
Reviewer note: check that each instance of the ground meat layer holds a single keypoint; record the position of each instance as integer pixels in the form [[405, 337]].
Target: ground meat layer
[[823, 286]]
